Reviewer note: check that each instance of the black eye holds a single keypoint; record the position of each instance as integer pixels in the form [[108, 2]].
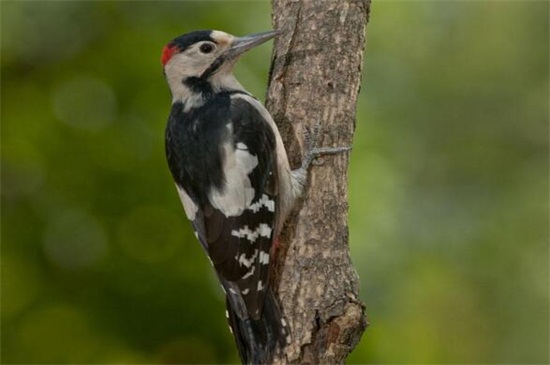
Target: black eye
[[206, 48]]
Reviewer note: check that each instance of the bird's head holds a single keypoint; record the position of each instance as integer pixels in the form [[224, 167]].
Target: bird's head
[[203, 60]]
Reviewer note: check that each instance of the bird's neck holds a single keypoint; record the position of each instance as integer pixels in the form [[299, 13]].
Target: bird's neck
[[193, 91], [225, 82]]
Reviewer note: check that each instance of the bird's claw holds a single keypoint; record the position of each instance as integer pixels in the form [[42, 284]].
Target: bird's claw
[[313, 151]]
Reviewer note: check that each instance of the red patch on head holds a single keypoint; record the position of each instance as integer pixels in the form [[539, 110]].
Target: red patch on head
[[167, 52]]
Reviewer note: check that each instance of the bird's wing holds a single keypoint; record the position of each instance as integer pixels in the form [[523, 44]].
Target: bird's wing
[[236, 222]]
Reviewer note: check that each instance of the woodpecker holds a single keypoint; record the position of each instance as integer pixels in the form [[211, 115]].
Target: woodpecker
[[233, 177]]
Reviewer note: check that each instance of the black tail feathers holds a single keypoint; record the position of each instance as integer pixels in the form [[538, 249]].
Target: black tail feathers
[[259, 339]]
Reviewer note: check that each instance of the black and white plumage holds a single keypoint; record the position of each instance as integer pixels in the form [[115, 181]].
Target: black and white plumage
[[233, 177]]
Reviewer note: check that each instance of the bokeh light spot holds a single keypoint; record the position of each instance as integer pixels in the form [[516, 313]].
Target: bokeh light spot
[[55, 334], [75, 239], [85, 103]]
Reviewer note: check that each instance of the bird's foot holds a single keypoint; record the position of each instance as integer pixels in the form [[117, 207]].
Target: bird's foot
[[312, 152]]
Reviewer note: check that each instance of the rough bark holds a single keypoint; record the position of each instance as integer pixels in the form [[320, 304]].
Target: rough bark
[[316, 73]]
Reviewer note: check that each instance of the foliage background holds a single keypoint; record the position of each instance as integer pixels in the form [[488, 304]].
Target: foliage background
[[448, 184]]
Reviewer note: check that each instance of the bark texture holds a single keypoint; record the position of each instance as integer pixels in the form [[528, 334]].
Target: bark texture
[[316, 74]]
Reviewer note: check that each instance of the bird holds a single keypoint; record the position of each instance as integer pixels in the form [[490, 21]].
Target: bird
[[234, 179]]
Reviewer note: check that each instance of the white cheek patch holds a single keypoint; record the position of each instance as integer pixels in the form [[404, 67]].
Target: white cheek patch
[[237, 193], [189, 206], [180, 67]]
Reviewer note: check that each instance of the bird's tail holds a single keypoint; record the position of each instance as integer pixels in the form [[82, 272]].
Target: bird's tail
[[259, 339]]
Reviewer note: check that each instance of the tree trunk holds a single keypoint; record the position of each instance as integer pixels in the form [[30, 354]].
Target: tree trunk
[[316, 74]]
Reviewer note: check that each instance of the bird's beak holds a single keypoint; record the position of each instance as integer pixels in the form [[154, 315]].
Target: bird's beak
[[243, 44]]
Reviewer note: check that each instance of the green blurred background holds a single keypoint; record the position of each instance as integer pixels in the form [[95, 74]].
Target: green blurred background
[[448, 184]]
